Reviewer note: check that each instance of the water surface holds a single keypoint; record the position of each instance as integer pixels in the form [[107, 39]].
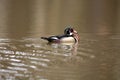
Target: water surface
[[94, 57]]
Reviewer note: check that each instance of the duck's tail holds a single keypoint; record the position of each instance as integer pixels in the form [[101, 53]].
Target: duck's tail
[[45, 38]]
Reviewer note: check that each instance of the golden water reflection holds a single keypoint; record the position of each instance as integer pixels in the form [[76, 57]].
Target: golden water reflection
[[42, 17]]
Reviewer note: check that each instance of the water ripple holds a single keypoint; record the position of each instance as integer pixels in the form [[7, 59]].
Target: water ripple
[[34, 59]]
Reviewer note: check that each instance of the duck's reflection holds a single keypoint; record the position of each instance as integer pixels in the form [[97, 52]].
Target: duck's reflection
[[65, 47]]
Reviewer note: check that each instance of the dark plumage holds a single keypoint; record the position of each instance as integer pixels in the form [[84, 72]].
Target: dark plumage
[[67, 36]]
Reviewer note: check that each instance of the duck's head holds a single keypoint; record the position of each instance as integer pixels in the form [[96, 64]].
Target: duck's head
[[72, 32], [69, 31]]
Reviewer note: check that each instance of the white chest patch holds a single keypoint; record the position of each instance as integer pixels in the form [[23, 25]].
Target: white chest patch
[[67, 39]]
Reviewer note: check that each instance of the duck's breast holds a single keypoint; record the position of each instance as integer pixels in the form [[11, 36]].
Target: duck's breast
[[67, 39]]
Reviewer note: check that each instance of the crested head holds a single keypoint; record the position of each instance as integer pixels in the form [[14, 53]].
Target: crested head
[[68, 31], [72, 32]]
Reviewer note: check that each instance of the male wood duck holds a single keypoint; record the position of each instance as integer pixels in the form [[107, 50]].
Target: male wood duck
[[70, 35]]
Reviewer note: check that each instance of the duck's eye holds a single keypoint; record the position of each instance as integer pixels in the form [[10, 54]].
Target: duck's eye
[[71, 30]]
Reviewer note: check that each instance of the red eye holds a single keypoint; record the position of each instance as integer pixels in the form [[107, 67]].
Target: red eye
[[71, 30]]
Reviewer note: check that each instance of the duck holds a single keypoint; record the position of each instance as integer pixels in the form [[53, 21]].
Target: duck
[[70, 36]]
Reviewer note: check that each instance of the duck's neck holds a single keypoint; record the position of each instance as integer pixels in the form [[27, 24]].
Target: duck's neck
[[76, 36]]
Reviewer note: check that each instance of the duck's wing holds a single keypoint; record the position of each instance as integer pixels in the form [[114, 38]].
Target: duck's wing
[[51, 38]]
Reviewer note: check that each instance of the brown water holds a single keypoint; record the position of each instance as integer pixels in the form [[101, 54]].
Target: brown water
[[24, 56], [95, 57]]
